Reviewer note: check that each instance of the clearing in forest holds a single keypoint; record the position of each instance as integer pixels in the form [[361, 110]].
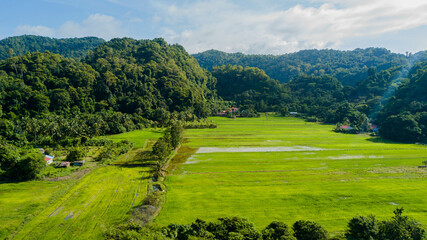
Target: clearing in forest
[[315, 174]]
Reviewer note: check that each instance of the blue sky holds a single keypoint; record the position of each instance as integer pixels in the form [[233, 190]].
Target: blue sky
[[249, 26]]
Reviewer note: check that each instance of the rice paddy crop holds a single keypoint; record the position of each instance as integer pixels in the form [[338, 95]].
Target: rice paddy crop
[[331, 178], [77, 208]]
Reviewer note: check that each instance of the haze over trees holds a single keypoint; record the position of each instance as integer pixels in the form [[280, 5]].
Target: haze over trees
[[404, 117], [68, 47], [394, 98], [349, 67]]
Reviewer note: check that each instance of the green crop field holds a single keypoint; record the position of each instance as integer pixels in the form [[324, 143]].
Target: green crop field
[[138, 137], [286, 169], [77, 208]]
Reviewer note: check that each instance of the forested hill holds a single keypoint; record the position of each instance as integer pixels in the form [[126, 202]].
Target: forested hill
[[118, 87], [404, 117], [349, 67], [142, 76], [68, 47]]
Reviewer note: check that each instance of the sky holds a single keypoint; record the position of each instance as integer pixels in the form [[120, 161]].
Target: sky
[[248, 26]]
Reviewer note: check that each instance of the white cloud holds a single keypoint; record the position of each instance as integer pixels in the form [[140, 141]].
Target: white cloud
[[34, 30], [98, 25], [223, 25]]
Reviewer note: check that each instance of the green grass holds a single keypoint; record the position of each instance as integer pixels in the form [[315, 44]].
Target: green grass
[[19, 202], [138, 137], [77, 208], [355, 174]]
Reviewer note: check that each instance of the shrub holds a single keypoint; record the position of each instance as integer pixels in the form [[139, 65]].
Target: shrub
[[307, 230], [75, 154], [400, 228], [359, 228], [277, 230], [30, 167], [229, 227], [111, 151], [98, 142]]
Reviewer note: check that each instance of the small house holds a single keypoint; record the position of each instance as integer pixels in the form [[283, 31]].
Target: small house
[[229, 110], [48, 159], [345, 127], [374, 128], [293, 113], [79, 163], [222, 113], [64, 164], [233, 109]]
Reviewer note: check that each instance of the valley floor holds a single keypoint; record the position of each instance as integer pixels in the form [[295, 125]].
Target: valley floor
[[286, 169]]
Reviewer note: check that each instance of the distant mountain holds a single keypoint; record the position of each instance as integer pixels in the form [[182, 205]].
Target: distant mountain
[[349, 67], [68, 47]]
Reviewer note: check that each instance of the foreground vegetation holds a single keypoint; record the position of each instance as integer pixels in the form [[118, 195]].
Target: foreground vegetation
[[399, 227], [319, 175]]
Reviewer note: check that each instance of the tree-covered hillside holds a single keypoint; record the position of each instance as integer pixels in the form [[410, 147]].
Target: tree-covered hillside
[[148, 76], [122, 85], [404, 117], [349, 67], [125, 83], [250, 88], [68, 47], [318, 98]]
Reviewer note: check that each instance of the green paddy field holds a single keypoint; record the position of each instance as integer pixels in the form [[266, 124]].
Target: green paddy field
[[78, 207], [262, 169], [287, 169]]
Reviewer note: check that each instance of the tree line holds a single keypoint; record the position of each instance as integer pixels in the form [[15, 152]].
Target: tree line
[[399, 227]]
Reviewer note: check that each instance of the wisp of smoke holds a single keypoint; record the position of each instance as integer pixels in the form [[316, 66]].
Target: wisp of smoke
[[394, 85]]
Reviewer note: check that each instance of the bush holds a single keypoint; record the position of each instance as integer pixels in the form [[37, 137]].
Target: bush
[[307, 230], [400, 228], [277, 230], [312, 119], [161, 149], [365, 228], [402, 127], [133, 231], [8, 158], [98, 142], [234, 227], [204, 123], [75, 154], [30, 167], [111, 151]]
